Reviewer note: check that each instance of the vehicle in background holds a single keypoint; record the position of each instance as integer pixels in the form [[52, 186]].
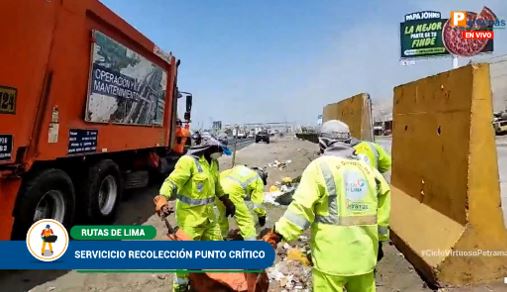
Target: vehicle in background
[[223, 138], [262, 136], [241, 135], [61, 158], [500, 126], [378, 130]]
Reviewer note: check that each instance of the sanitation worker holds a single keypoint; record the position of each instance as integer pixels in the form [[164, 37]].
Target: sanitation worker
[[46, 232], [182, 136], [373, 154], [245, 187], [347, 203], [194, 183]]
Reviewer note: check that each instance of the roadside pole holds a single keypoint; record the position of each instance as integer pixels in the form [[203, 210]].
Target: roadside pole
[[455, 63], [235, 146]]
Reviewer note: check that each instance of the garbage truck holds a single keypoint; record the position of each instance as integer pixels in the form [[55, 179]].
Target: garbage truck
[[87, 110]]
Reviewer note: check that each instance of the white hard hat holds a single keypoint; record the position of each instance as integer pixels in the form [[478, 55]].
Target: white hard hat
[[333, 131]]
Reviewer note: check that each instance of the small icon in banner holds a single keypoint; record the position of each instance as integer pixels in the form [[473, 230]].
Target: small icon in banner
[[47, 240]]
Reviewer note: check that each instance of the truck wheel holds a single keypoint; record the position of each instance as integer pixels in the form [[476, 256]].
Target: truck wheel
[[46, 195], [102, 190]]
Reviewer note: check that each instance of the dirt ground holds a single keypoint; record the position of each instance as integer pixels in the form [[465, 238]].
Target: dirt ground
[[394, 273]]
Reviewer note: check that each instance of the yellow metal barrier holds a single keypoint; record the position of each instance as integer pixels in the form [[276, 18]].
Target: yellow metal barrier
[[355, 112], [446, 212]]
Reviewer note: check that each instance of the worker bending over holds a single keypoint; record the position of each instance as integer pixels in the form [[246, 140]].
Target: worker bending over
[[245, 187], [195, 184], [346, 203]]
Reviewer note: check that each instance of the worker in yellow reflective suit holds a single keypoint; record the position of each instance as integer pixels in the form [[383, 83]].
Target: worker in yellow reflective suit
[[245, 187], [194, 183], [373, 154], [347, 203], [46, 232]]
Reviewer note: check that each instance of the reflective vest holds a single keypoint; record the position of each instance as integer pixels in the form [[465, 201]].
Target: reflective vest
[[374, 155], [243, 183], [346, 203], [194, 182]]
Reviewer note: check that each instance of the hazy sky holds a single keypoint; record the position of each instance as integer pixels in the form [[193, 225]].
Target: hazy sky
[[283, 60]]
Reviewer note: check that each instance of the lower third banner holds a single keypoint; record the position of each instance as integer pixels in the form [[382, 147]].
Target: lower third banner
[[137, 255]]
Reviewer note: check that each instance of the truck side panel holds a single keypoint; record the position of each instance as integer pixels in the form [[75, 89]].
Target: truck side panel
[[45, 62], [24, 54], [70, 64]]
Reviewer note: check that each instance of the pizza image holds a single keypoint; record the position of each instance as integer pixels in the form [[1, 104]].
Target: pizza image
[[458, 45]]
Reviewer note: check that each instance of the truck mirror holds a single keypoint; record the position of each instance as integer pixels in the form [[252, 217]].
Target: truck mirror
[[189, 103]]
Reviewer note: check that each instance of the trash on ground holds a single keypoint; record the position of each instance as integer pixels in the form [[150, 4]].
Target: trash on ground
[[293, 271], [279, 165], [274, 188], [296, 254], [287, 180], [270, 197], [286, 197]]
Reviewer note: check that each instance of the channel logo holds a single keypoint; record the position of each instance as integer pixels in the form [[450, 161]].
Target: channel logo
[[47, 240], [458, 18]]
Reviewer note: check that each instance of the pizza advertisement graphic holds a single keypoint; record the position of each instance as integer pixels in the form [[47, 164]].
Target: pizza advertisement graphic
[[426, 34], [456, 44]]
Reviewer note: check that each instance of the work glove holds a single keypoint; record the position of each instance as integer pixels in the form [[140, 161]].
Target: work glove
[[230, 209], [262, 220], [380, 253], [162, 206], [272, 237]]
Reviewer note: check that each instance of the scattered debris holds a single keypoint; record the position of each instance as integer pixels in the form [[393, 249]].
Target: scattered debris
[[285, 189], [287, 180], [292, 272], [161, 276], [270, 197], [303, 238], [286, 197], [274, 188], [298, 255], [280, 165], [51, 288]]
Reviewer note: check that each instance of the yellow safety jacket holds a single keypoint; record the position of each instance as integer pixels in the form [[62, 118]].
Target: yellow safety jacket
[[243, 183], [347, 203], [194, 182], [374, 155]]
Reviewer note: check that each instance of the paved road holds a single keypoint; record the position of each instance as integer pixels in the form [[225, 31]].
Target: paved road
[[502, 166]]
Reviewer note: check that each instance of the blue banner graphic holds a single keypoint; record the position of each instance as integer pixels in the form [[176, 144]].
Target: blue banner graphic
[[170, 255]]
